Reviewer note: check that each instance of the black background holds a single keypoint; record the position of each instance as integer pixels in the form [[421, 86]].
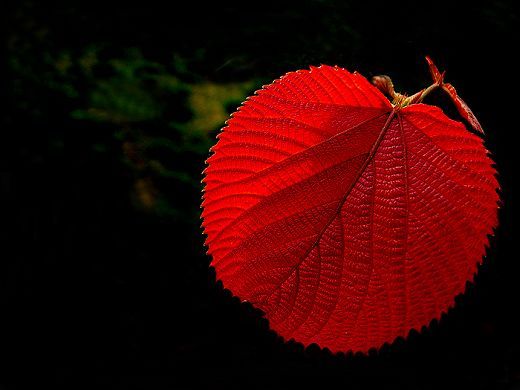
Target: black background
[[96, 292]]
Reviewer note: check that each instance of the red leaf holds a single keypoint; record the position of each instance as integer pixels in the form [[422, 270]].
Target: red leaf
[[461, 105], [347, 220]]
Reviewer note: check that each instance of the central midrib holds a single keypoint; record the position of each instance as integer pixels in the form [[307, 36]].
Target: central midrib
[[343, 199]]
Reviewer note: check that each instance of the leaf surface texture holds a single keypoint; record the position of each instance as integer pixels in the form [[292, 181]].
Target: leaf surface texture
[[347, 221]]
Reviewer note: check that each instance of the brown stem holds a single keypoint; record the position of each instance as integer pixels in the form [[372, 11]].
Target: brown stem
[[384, 84], [419, 96]]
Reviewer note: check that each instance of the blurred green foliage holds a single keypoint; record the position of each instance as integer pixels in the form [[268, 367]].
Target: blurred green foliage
[[162, 119]]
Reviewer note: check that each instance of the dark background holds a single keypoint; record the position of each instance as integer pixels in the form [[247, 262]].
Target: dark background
[[104, 281]]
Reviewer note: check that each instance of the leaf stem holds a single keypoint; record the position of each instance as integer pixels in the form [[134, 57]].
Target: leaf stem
[[419, 96]]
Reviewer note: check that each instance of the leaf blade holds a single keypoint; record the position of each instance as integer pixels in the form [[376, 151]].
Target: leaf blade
[[313, 201]]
